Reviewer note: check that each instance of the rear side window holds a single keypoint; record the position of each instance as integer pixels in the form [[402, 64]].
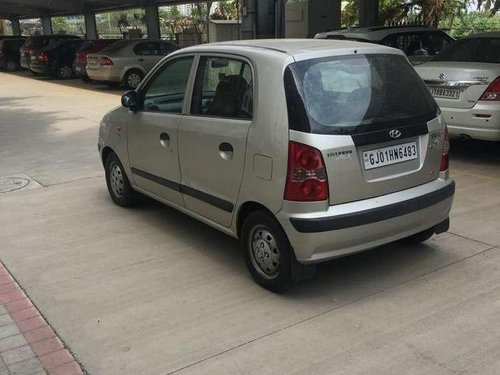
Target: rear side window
[[148, 49], [355, 94], [485, 50]]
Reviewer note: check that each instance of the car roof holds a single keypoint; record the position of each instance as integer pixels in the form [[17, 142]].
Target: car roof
[[490, 34], [288, 47], [376, 33]]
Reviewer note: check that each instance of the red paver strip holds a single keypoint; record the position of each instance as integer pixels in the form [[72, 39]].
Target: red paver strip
[[39, 338]]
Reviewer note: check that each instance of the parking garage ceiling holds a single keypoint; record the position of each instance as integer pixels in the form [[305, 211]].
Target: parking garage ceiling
[[11, 9]]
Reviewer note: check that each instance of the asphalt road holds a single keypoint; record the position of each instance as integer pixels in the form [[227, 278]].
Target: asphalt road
[[151, 291]]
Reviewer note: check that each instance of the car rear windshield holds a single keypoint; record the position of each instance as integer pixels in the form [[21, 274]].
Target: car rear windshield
[[355, 94], [484, 50]]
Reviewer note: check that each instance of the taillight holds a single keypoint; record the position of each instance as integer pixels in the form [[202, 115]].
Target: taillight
[[30, 50], [106, 61], [492, 93], [445, 153], [306, 178], [81, 58], [43, 58]]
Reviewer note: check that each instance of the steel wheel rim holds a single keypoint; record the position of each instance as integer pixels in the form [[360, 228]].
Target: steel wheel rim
[[133, 80], [116, 180], [65, 72], [264, 252]]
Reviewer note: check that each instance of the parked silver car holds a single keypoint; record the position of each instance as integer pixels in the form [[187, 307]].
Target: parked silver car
[[465, 80], [305, 150], [127, 61]]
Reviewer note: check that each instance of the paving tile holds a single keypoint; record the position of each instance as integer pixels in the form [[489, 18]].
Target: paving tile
[[7, 279], [39, 334], [56, 359], [19, 305], [8, 330], [5, 319], [47, 346], [21, 315], [12, 296], [17, 355], [7, 288], [29, 366], [71, 368], [12, 342], [31, 324]]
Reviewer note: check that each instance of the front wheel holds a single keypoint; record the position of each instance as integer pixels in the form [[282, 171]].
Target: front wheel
[[267, 251], [119, 187]]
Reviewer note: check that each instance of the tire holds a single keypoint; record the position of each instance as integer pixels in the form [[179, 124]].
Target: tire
[[418, 237], [64, 72], [271, 265], [119, 187], [132, 79]]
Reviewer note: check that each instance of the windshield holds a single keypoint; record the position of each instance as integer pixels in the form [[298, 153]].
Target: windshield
[[484, 50], [355, 93]]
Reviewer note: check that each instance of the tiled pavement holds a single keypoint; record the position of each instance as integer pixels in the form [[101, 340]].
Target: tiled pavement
[[27, 343]]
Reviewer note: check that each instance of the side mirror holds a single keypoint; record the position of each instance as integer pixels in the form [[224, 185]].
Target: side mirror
[[130, 100]]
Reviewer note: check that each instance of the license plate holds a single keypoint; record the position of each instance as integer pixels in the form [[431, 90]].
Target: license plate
[[442, 92], [390, 155]]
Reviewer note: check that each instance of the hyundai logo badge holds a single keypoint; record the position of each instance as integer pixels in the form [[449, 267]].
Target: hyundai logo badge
[[442, 75], [395, 133]]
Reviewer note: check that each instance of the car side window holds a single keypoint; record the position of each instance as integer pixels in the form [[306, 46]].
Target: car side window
[[167, 48], [148, 49], [165, 92], [223, 88]]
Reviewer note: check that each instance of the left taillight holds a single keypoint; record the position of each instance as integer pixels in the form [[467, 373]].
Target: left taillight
[[43, 58], [445, 153], [306, 179], [106, 61], [492, 93]]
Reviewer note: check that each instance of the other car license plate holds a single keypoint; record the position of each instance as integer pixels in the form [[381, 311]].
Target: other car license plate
[[390, 155], [442, 92]]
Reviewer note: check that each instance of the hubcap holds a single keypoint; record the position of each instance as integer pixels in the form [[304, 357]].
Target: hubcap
[[65, 72], [133, 80], [264, 252], [116, 180]]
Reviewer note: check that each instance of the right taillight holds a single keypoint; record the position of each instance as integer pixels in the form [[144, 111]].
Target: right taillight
[[306, 177], [106, 61], [492, 93], [445, 153]]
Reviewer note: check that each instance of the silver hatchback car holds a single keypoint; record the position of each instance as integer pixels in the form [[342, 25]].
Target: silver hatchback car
[[305, 150]]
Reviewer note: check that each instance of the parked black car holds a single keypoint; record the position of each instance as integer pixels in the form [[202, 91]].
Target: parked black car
[[56, 60], [9, 53], [39, 41]]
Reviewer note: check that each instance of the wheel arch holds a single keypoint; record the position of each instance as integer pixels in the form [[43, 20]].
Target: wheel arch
[[105, 153], [246, 209]]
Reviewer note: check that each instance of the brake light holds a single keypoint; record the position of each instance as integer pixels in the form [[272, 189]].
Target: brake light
[[492, 93], [106, 61], [306, 177], [43, 58], [445, 154], [81, 58]]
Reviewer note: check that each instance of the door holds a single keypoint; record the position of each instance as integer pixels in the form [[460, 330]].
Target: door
[[212, 138], [148, 54], [152, 131]]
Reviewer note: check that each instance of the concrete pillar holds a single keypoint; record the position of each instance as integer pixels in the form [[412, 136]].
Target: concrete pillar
[[16, 27], [248, 28], [152, 21], [47, 25], [368, 12], [90, 26]]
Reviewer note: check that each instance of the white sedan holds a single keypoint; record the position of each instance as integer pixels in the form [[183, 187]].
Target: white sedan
[[465, 81]]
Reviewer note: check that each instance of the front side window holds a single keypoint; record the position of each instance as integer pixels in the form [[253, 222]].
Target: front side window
[[355, 93], [165, 92], [223, 88]]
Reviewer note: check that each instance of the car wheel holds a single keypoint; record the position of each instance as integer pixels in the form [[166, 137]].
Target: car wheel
[[267, 252], [132, 79], [119, 187], [419, 237], [64, 72]]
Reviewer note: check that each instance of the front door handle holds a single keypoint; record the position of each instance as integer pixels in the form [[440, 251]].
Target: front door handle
[[226, 151], [164, 139]]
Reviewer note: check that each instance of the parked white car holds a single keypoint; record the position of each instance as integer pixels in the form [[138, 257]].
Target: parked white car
[[305, 150], [465, 81]]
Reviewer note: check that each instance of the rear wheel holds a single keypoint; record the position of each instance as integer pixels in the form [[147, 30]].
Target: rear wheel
[[268, 254], [64, 72], [132, 79], [119, 187], [419, 237]]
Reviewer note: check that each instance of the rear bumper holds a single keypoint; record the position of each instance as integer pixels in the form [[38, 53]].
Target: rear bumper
[[80, 70], [352, 227], [41, 69], [105, 74], [471, 121], [25, 62]]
